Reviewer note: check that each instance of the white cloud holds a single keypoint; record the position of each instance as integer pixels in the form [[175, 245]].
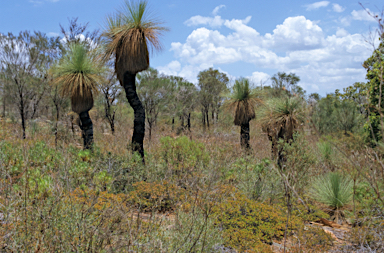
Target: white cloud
[[217, 9], [259, 78], [172, 68], [298, 45], [296, 33], [199, 20], [337, 8], [317, 5], [341, 32], [362, 15], [53, 34]]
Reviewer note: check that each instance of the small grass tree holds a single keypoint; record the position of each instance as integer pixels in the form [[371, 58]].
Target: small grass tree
[[334, 190], [128, 34], [79, 72], [243, 100]]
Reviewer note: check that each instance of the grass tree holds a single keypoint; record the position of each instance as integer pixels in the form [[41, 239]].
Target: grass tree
[[129, 34], [280, 118], [334, 190], [78, 73], [242, 100]]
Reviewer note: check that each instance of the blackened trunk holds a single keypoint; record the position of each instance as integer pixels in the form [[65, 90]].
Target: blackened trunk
[[87, 130], [173, 123], [207, 115], [22, 118], [139, 112], [203, 118], [244, 136], [189, 122]]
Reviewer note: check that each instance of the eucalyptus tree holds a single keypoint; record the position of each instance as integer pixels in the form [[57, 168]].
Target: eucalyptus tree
[[25, 60], [212, 84], [286, 84], [128, 35], [79, 72], [186, 98], [110, 91], [242, 101], [152, 91]]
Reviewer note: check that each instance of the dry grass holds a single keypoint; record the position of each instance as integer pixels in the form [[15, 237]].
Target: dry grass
[[64, 199]]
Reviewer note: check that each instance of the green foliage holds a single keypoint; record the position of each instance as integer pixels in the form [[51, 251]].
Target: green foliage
[[193, 232], [252, 177], [332, 114], [332, 189], [249, 225], [183, 154], [326, 150], [284, 84]]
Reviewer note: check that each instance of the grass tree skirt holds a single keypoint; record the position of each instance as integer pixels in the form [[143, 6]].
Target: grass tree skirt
[[87, 129], [139, 112]]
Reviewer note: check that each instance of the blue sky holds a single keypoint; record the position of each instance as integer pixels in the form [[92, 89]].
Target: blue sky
[[320, 41]]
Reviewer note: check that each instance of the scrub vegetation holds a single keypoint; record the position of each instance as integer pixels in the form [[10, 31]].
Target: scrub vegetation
[[99, 152]]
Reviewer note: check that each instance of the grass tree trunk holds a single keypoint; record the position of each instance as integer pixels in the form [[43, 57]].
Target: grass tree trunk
[[87, 129], [139, 112], [244, 136]]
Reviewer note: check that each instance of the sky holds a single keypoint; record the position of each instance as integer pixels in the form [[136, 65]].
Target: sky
[[323, 42]]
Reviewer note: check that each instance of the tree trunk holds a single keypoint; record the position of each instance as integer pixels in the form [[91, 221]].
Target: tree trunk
[[244, 136], [173, 123], [87, 130], [139, 112], [22, 114], [189, 122], [207, 115], [203, 118]]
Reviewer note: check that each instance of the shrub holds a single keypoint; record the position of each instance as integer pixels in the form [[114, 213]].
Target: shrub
[[249, 225], [156, 196], [184, 158]]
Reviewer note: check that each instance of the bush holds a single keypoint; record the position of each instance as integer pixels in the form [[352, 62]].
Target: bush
[[156, 196], [249, 225]]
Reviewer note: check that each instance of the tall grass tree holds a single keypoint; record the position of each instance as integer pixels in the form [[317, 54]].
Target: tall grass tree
[[129, 35], [242, 101], [280, 118], [78, 73]]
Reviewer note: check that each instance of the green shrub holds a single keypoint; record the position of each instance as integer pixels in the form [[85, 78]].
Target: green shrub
[[249, 225]]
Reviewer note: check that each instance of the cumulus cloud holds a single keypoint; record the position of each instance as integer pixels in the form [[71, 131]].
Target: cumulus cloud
[[296, 33], [298, 45], [199, 20], [362, 15], [259, 77], [317, 5], [337, 8], [217, 9]]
